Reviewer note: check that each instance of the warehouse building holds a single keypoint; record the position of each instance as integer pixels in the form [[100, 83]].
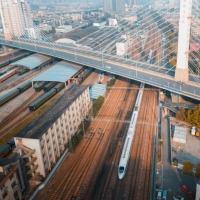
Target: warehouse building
[[43, 141]]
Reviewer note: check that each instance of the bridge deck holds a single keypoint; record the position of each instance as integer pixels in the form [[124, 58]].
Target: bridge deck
[[135, 70]]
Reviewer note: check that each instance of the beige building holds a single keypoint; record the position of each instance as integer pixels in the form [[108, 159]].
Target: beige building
[[44, 140], [16, 16]]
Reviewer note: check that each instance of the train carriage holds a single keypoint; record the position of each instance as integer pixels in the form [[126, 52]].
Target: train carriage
[[36, 104], [49, 86], [9, 96], [40, 86], [25, 86], [59, 87]]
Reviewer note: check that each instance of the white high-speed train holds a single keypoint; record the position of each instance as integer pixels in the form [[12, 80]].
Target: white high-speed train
[[124, 159]]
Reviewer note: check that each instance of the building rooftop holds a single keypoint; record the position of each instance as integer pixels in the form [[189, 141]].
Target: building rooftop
[[32, 61], [80, 33], [60, 72], [97, 90], [41, 124], [180, 132]]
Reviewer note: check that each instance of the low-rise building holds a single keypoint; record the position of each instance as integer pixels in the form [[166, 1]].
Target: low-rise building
[[112, 22], [43, 141], [63, 29]]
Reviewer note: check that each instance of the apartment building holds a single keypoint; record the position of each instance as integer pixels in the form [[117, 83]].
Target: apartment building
[[43, 141], [12, 182], [16, 16]]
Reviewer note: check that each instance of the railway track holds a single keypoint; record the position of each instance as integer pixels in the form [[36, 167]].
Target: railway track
[[7, 124], [75, 165], [104, 187], [139, 187]]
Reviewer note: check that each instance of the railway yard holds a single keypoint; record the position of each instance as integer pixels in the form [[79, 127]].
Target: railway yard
[[91, 171]]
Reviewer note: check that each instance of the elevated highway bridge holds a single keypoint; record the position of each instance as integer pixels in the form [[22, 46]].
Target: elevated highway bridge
[[140, 71]]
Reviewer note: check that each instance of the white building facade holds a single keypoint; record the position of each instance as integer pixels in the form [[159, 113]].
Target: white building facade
[[45, 145], [16, 16]]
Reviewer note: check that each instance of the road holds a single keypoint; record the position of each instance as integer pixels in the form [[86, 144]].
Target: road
[[143, 72], [170, 177]]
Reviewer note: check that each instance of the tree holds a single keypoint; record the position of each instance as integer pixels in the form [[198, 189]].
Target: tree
[[188, 167], [198, 170], [180, 115]]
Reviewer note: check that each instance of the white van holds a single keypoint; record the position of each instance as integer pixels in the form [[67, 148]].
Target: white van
[[159, 195]]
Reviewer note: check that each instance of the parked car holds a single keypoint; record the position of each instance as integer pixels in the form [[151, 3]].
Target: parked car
[[185, 189], [178, 198]]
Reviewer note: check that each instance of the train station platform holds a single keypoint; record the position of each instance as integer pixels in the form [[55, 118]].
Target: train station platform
[[32, 61], [60, 72]]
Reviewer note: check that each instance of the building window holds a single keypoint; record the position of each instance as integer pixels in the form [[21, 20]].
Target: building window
[[11, 177], [54, 142], [50, 155], [43, 154], [58, 136], [57, 129], [2, 187], [45, 162], [55, 149], [46, 133], [63, 132], [52, 134], [63, 138], [48, 141], [13, 184], [56, 123], [16, 195], [51, 127], [4, 194], [49, 148], [61, 118], [42, 147], [62, 124]]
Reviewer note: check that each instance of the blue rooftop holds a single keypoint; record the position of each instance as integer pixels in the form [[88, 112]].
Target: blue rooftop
[[60, 72], [97, 91]]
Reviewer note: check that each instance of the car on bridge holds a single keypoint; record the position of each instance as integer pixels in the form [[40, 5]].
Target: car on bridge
[[107, 66]]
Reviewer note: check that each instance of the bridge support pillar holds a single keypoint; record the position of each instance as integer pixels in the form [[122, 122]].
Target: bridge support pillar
[[181, 73], [5, 49], [7, 36]]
